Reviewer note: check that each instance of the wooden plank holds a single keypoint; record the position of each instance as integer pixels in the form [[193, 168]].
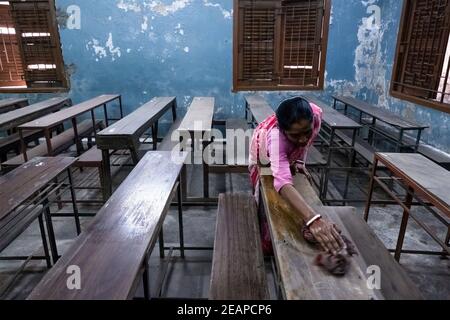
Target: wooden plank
[[301, 278], [59, 117], [59, 143], [379, 113], [15, 118], [259, 108], [132, 124], [111, 251], [238, 270], [10, 104], [333, 118], [199, 116], [422, 172], [20, 184]]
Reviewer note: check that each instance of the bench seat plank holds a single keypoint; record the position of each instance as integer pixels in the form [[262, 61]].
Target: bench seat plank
[[20, 184], [12, 119], [111, 251], [238, 270], [302, 279], [379, 113], [59, 117], [333, 118], [138, 120], [59, 143], [199, 115], [10, 104], [259, 108]]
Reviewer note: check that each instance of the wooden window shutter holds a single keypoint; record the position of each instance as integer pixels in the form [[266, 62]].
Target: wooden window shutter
[[257, 47], [38, 38], [302, 42], [423, 38], [280, 45], [11, 68]]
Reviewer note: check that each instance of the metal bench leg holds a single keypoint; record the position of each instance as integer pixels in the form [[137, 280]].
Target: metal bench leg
[[161, 244], [155, 135], [371, 188], [404, 224], [51, 232], [180, 219], [44, 242], [74, 202], [107, 189], [146, 279], [205, 173]]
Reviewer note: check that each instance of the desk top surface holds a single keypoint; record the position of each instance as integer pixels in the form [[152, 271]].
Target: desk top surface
[[379, 113], [421, 172], [111, 251], [259, 108], [28, 111], [17, 186], [199, 116], [59, 117]]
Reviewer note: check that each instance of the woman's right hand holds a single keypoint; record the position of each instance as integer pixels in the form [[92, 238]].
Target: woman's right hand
[[327, 235]]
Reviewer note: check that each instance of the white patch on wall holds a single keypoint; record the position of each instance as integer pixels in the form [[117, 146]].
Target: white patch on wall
[[226, 14], [166, 9], [144, 25], [370, 61], [186, 49], [179, 30], [129, 5], [101, 52]]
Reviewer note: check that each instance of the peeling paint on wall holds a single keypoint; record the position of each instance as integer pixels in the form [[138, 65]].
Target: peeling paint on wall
[[108, 49]]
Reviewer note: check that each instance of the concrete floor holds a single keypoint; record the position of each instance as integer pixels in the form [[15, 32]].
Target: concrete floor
[[190, 278]]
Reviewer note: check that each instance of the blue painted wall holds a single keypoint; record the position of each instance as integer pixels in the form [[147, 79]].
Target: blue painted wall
[[146, 48]]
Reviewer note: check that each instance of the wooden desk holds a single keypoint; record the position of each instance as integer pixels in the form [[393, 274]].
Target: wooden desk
[[379, 114], [12, 119], [115, 247], [258, 108], [26, 188], [301, 279], [422, 179], [197, 123], [125, 134], [10, 104], [47, 123], [333, 124]]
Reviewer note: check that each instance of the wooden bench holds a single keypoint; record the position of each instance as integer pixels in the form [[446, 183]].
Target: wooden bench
[[10, 104], [60, 143], [301, 279], [126, 133], [21, 202], [11, 120], [195, 132], [258, 107], [113, 251], [238, 270], [12, 143], [428, 151]]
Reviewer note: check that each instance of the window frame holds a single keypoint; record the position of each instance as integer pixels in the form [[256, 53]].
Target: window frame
[[444, 107], [278, 51], [59, 61]]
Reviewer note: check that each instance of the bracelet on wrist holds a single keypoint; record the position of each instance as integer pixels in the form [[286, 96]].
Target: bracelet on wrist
[[313, 219]]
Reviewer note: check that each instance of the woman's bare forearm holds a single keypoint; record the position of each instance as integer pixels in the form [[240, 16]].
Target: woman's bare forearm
[[295, 199]]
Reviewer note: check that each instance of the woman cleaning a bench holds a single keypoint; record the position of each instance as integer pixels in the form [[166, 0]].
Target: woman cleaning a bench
[[282, 142]]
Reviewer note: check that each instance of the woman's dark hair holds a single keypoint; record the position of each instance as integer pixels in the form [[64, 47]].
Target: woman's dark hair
[[293, 110]]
